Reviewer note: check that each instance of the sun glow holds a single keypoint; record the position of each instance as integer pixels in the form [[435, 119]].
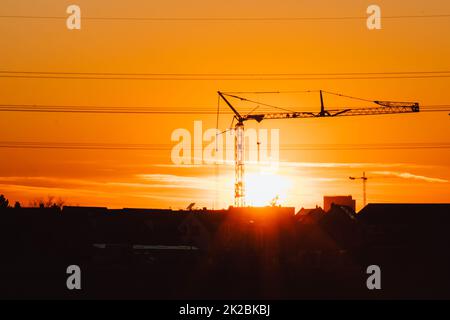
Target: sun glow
[[264, 186]]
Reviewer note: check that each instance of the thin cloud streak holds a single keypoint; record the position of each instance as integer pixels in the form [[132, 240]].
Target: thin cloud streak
[[303, 165], [407, 175], [175, 180]]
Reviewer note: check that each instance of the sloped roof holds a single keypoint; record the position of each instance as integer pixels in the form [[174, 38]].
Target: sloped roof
[[395, 214], [310, 215]]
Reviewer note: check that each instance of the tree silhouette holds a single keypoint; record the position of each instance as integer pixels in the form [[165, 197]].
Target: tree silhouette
[[4, 203], [50, 202]]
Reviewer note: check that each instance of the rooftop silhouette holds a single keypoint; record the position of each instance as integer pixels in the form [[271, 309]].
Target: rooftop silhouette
[[269, 252]]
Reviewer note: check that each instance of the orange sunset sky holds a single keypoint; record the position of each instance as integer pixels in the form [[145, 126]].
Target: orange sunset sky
[[148, 178]]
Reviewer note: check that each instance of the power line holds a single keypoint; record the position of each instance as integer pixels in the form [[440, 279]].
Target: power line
[[106, 109], [151, 110], [241, 78], [225, 19], [221, 74], [262, 107], [164, 147]]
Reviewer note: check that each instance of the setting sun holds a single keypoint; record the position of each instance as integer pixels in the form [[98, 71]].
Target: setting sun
[[265, 188]]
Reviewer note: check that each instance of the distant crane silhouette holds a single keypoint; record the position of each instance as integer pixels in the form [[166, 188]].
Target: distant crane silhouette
[[384, 107], [364, 181]]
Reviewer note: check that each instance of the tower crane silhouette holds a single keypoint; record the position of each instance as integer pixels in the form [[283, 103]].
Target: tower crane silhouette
[[382, 108], [364, 180]]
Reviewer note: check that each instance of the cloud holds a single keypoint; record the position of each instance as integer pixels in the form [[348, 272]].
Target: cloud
[[345, 165], [52, 185], [293, 164], [174, 181], [157, 187], [407, 175]]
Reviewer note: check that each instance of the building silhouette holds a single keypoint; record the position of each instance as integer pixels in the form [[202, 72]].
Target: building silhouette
[[348, 201], [237, 253]]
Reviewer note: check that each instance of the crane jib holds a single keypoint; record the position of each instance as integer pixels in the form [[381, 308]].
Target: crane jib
[[383, 108]]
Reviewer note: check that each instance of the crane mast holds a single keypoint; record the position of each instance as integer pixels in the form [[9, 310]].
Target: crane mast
[[384, 107]]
